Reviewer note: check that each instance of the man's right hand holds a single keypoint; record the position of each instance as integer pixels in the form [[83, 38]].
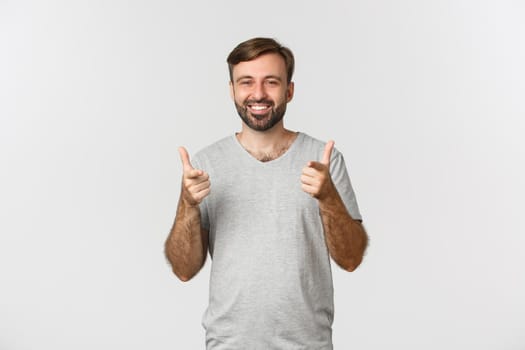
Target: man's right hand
[[195, 183]]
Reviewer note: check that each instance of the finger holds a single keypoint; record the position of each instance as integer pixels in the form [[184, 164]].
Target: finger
[[198, 187], [185, 158], [327, 152], [311, 190], [309, 171], [316, 166], [200, 195], [309, 180], [203, 176], [192, 173]]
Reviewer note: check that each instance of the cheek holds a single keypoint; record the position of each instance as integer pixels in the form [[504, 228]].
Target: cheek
[[237, 94], [282, 98], [239, 99]]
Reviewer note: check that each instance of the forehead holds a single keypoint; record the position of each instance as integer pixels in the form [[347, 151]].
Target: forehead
[[267, 64]]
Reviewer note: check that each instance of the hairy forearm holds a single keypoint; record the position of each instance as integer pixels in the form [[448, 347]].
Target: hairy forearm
[[345, 237], [186, 246]]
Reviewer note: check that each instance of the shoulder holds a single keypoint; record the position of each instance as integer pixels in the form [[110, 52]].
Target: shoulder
[[315, 147], [215, 151]]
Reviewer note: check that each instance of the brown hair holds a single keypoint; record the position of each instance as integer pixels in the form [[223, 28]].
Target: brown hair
[[253, 48]]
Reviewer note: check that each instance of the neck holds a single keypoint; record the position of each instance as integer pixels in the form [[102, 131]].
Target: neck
[[266, 145]]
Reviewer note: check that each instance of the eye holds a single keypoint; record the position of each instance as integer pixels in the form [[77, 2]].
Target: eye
[[273, 82], [245, 82]]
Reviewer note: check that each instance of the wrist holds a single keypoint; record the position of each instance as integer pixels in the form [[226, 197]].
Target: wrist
[[188, 203], [329, 196]]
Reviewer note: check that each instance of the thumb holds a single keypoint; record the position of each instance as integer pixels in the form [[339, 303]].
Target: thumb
[[327, 152], [185, 158]]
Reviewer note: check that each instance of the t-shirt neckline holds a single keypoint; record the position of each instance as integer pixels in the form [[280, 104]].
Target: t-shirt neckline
[[285, 155]]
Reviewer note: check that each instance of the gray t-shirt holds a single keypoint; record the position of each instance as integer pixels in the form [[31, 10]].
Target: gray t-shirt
[[271, 282]]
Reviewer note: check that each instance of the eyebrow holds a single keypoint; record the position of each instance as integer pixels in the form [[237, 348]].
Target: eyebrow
[[266, 77]]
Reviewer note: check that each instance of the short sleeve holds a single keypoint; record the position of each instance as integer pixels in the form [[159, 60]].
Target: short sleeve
[[342, 182]]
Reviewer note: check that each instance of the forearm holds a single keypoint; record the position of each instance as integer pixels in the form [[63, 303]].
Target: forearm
[[345, 237], [186, 246]]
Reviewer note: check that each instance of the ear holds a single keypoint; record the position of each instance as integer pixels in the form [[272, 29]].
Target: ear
[[290, 91], [232, 93]]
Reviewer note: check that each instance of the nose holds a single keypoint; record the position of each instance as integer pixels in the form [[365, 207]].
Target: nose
[[259, 91]]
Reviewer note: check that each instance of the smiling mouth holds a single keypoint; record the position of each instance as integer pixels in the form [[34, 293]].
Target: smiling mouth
[[259, 108]]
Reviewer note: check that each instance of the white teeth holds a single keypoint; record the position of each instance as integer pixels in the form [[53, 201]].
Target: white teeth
[[259, 108]]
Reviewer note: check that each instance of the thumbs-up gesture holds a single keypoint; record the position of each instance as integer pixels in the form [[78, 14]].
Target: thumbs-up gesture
[[315, 178], [195, 183]]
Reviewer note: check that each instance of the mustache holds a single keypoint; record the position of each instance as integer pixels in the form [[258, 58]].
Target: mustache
[[262, 101]]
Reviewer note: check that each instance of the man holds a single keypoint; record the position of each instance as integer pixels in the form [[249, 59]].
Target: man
[[272, 206]]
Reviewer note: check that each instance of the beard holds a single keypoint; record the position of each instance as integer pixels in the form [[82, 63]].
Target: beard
[[261, 122]]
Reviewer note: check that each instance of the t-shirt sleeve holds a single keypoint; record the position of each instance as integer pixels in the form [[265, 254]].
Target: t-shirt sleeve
[[341, 180], [203, 206]]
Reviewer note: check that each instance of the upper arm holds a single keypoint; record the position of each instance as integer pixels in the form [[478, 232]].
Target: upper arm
[[341, 179]]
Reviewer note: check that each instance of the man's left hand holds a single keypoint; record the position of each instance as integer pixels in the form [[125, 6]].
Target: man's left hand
[[316, 179]]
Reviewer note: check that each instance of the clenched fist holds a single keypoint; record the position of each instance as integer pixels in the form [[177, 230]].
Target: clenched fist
[[316, 179], [195, 183]]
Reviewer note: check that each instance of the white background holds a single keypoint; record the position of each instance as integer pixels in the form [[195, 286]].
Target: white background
[[424, 98]]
